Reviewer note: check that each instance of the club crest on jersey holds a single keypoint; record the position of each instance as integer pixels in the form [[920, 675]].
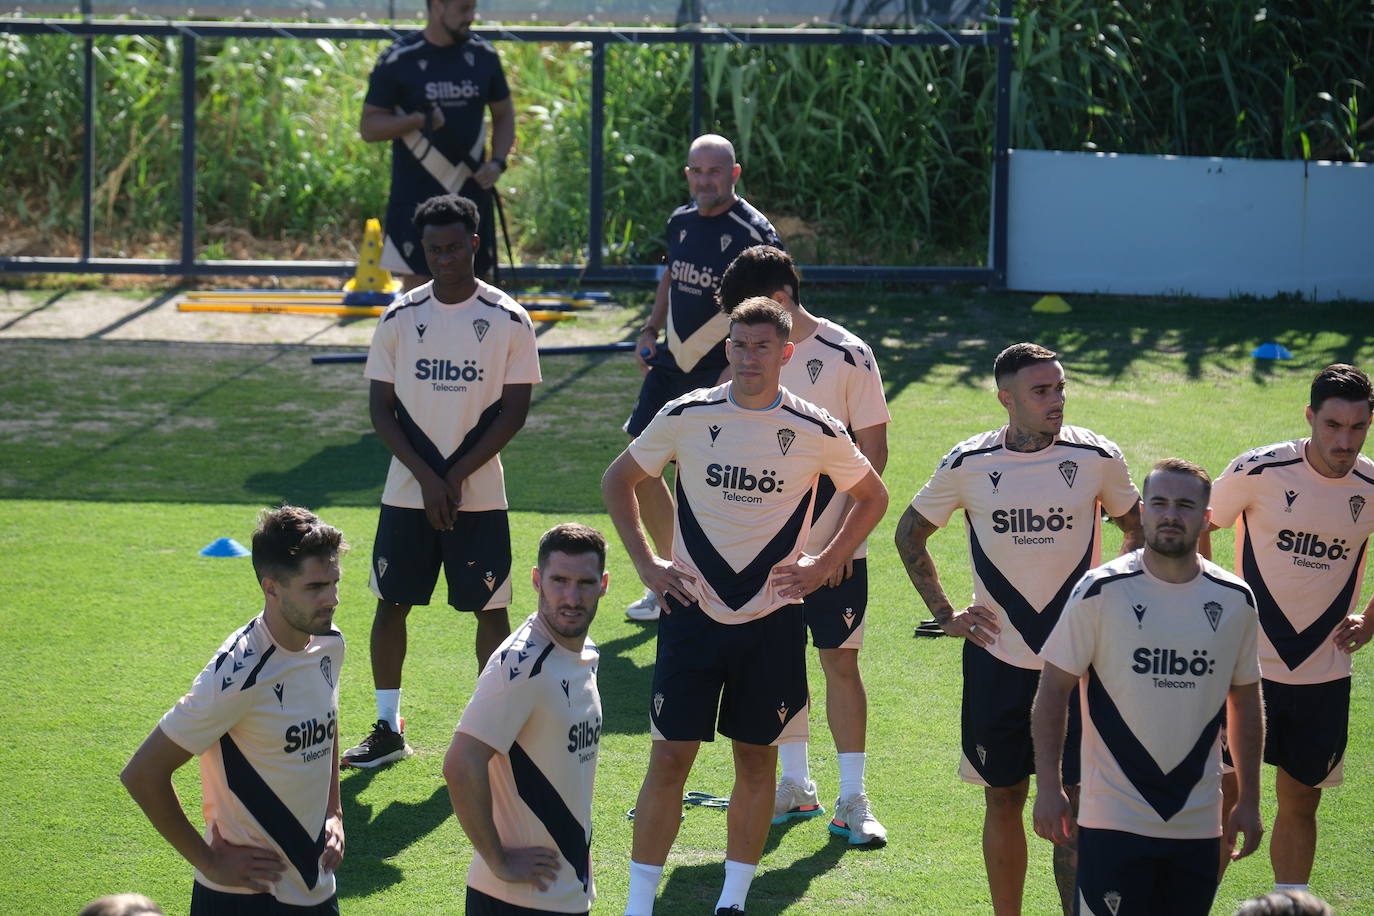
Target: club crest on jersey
[[725, 241], [658, 704], [408, 248], [490, 578], [423, 64], [813, 369], [1140, 610], [327, 669], [1113, 901], [381, 567], [782, 712], [1291, 496], [467, 56], [480, 326], [996, 478], [714, 430], [982, 754], [1069, 471], [1213, 611], [1356, 505], [280, 691], [785, 439], [682, 234]]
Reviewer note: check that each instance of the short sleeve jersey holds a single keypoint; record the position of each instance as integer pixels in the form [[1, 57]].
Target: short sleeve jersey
[[1155, 661], [699, 250], [414, 76], [836, 371], [449, 364], [537, 704], [746, 488], [263, 721], [1300, 545], [1033, 524]]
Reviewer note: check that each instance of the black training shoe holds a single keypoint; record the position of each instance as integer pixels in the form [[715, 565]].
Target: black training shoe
[[381, 746], [729, 911]]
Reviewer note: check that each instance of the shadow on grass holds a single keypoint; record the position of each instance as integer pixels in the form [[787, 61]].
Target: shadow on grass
[[376, 837], [624, 685], [331, 476], [696, 888]]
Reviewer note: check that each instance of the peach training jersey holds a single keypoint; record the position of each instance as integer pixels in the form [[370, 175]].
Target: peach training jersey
[[1300, 545], [746, 487], [263, 720], [1155, 660], [1033, 524], [835, 370], [449, 364], [537, 704]]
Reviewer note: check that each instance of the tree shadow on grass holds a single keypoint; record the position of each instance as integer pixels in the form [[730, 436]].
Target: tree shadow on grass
[[375, 838], [624, 685], [332, 476]]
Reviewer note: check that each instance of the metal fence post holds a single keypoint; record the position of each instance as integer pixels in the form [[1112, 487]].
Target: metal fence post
[[188, 150], [596, 205]]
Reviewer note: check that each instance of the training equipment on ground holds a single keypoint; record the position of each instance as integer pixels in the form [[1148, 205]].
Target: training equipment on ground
[[1271, 350], [256, 307], [224, 547]]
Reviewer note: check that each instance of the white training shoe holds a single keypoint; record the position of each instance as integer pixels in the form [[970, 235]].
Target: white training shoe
[[645, 609], [854, 819], [795, 800]]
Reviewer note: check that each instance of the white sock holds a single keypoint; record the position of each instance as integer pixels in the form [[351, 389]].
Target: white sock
[[851, 774], [795, 766], [643, 888], [738, 877], [389, 707], [1290, 887]]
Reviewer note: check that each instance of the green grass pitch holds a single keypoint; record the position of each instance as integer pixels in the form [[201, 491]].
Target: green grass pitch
[[119, 460]]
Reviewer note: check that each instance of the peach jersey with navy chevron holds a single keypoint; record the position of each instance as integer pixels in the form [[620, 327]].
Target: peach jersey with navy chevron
[[263, 721], [1301, 542], [537, 704], [449, 363], [1155, 660], [746, 488], [1033, 524], [836, 371]]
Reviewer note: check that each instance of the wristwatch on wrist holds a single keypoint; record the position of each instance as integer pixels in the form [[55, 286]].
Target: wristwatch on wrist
[[649, 329]]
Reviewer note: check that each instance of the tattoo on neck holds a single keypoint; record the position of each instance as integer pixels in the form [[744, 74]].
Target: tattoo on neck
[[1019, 441]]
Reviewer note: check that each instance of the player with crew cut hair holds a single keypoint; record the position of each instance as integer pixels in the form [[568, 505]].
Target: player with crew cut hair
[[1032, 493], [1159, 645], [731, 653], [1302, 514], [833, 369], [263, 718], [450, 371]]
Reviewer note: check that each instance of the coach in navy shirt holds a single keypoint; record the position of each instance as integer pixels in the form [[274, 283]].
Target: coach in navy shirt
[[704, 236]]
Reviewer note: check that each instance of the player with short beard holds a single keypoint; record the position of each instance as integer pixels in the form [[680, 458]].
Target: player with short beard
[[1032, 494], [1160, 646], [263, 718], [522, 763], [1303, 515]]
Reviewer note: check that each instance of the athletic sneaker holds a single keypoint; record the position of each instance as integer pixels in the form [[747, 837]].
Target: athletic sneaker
[[795, 800], [382, 746], [645, 609], [854, 819], [729, 911]]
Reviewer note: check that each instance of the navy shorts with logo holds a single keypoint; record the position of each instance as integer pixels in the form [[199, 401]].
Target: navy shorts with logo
[[995, 726], [1305, 729], [1125, 874], [475, 555], [663, 383], [835, 616], [754, 673]]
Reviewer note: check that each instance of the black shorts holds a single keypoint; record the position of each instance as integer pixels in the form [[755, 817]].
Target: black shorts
[[995, 723], [1125, 874], [207, 902], [480, 904], [475, 555], [835, 616], [1305, 729], [754, 673], [664, 382]]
